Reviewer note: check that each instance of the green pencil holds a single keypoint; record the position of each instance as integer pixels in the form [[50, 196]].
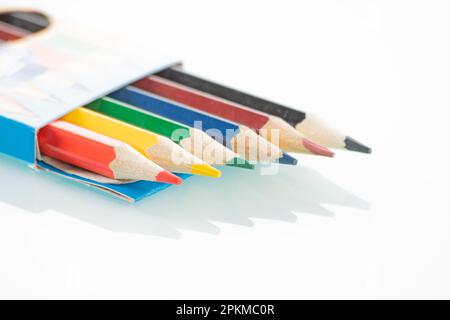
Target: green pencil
[[193, 140]]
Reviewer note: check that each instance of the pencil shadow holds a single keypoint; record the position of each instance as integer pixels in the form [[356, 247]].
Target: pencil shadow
[[198, 205]]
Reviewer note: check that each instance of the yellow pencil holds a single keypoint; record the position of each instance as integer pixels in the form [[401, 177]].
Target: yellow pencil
[[159, 149]]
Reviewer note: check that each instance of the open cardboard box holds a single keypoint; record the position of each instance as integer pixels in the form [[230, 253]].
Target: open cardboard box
[[51, 72]]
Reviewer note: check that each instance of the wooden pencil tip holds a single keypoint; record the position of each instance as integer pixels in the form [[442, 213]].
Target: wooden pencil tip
[[317, 149], [167, 177], [353, 145]]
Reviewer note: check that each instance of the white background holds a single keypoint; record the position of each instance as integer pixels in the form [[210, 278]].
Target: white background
[[356, 226]]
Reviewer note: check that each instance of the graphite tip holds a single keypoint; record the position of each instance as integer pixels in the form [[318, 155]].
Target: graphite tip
[[287, 159], [317, 149], [167, 177], [353, 145]]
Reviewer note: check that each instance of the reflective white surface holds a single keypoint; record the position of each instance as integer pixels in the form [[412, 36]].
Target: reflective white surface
[[355, 226]]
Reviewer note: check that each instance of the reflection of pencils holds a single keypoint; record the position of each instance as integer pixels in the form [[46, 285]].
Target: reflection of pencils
[[98, 153], [306, 123], [272, 128], [160, 150], [240, 139], [190, 139]]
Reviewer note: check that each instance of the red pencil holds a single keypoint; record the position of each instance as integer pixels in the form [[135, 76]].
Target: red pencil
[[100, 154], [272, 128], [10, 33]]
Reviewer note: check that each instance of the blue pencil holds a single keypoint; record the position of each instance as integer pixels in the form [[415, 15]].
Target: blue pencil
[[238, 138]]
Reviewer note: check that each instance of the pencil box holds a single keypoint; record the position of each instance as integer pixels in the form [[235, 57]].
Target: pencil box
[[49, 73]]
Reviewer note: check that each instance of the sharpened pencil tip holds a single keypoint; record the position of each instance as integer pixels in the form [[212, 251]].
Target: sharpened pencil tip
[[287, 159], [167, 177], [240, 163], [317, 149], [353, 145], [206, 170]]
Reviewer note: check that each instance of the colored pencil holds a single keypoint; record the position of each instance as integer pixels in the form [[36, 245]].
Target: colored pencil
[[160, 150], [240, 139], [10, 33], [308, 124], [190, 139], [272, 128], [27, 21], [98, 153]]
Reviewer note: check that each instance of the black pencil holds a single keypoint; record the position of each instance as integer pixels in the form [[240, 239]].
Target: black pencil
[[306, 123], [26, 20]]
